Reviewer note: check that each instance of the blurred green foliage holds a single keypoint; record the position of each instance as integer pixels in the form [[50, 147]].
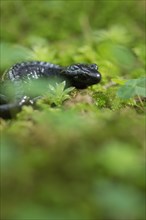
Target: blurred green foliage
[[61, 19], [68, 165], [83, 158], [132, 88]]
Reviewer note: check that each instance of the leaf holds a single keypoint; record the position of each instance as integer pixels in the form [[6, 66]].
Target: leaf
[[12, 53], [132, 88], [141, 91], [60, 87], [126, 92], [57, 93]]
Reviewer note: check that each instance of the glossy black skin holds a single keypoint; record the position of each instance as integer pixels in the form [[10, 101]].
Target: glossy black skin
[[77, 75]]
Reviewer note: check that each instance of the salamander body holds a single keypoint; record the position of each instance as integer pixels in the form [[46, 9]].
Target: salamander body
[[77, 75]]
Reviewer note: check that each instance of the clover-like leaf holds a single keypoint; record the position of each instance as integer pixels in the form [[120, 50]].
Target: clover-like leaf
[[132, 88]]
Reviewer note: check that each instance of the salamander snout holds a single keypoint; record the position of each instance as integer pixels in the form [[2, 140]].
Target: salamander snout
[[83, 75]]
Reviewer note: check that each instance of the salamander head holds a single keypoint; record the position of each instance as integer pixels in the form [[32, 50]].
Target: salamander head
[[83, 75]]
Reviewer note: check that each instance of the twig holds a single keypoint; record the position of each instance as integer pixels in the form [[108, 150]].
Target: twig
[[140, 100]]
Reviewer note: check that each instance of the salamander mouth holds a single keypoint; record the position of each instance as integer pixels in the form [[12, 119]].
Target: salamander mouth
[[96, 78], [82, 82]]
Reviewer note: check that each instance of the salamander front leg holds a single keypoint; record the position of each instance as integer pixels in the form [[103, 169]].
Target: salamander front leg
[[9, 110], [28, 101]]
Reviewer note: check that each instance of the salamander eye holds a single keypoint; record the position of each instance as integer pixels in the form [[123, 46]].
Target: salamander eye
[[94, 66]]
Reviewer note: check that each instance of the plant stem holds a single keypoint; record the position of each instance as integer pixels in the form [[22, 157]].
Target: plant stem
[[139, 98]]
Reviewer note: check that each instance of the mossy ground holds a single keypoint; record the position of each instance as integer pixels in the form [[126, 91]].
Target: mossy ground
[[82, 159]]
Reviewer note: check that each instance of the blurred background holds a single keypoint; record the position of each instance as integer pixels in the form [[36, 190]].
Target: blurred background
[[69, 30], [62, 20], [81, 161]]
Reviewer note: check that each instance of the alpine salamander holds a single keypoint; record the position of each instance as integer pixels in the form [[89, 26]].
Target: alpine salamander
[[77, 75]]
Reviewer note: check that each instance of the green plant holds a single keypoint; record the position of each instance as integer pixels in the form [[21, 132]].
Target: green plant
[[58, 93], [133, 88]]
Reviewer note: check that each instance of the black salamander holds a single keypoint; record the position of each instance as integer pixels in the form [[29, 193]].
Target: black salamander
[[77, 75]]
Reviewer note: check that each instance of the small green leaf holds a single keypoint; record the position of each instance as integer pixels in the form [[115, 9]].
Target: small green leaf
[[132, 88], [126, 92], [140, 91], [57, 93], [11, 53]]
